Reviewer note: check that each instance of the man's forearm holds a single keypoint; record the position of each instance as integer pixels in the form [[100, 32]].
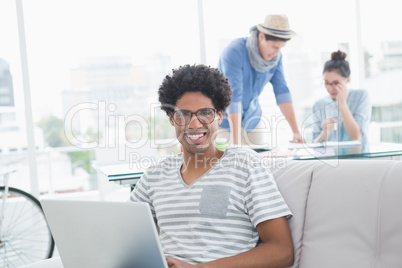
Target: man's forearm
[[265, 255], [235, 127], [288, 112], [276, 251]]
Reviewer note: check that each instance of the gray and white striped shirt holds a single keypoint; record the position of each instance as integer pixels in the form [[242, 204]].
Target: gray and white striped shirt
[[216, 216]]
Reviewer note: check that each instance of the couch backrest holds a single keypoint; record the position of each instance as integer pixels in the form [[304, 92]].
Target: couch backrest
[[346, 213]]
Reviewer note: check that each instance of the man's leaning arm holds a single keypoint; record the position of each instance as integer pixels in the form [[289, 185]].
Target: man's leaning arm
[[235, 127]]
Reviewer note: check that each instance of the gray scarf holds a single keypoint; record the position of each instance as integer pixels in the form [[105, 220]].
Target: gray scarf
[[256, 60]]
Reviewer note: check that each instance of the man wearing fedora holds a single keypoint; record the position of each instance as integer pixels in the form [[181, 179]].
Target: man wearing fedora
[[249, 64]]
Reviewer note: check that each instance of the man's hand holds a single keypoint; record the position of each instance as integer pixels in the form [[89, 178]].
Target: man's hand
[[297, 138], [175, 263], [287, 111]]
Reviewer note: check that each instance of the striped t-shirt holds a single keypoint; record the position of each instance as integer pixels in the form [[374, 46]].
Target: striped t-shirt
[[216, 216]]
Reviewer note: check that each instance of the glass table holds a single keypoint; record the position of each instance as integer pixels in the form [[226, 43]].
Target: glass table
[[348, 151], [129, 174], [125, 174]]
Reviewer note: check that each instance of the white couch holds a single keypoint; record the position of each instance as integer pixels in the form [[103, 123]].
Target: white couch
[[347, 213]]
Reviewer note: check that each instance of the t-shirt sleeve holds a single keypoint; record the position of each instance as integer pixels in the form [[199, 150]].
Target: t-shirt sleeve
[[362, 114], [230, 64], [263, 200], [141, 192], [316, 121]]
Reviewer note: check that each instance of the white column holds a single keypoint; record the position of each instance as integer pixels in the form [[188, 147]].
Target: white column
[[27, 100], [203, 56], [359, 49]]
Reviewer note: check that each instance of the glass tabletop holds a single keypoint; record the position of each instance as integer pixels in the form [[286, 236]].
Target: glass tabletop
[[125, 172], [347, 151]]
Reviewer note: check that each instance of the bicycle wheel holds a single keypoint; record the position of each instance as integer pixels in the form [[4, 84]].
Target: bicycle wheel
[[24, 236]]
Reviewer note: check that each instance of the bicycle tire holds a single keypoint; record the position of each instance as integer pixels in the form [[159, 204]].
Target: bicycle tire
[[25, 234]]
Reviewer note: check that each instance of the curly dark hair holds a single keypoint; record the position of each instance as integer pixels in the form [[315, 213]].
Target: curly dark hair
[[195, 78]]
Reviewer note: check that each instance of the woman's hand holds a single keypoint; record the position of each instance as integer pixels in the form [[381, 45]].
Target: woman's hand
[[327, 128], [343, 92], [328, 125]]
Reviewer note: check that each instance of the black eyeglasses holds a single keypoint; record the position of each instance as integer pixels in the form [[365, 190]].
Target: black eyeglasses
[[335, 83], [183, 117]]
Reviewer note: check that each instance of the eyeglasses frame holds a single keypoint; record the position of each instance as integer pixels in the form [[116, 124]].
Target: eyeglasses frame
[[194, 113]]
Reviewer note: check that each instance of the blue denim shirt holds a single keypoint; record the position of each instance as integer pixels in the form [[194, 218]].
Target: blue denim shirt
[[247, 84], [359, 104]]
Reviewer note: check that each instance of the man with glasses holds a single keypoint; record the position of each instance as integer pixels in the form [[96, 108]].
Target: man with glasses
[[213, 208]]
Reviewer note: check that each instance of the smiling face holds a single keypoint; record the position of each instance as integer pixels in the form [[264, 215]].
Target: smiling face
[[332, 79], [269, 49], [196, 137]]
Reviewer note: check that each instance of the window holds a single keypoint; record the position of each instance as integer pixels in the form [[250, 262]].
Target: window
[[382, 44], [13, 138], [95, 67]]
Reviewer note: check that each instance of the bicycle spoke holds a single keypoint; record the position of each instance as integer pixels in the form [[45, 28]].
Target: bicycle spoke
[[29, 230], [21, 219], [26, 235], [21, 254]]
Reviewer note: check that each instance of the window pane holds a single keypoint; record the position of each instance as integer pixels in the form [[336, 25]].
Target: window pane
[[13, 136], [382, 43], [95, 68]]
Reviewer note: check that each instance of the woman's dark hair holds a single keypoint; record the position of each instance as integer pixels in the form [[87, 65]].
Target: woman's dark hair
[[195, 78], [338, 64]]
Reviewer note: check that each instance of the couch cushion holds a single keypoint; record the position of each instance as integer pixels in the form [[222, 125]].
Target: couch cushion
[[351, 215], [293, 179], [389, 245]]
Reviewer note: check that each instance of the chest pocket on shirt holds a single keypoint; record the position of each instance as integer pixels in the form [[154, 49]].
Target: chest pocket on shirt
[[214, 201]]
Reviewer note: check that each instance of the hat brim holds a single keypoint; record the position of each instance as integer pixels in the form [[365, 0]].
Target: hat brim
[[266, 31]]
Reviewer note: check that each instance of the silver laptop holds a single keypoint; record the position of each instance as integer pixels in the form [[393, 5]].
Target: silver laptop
[[104, 234]]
